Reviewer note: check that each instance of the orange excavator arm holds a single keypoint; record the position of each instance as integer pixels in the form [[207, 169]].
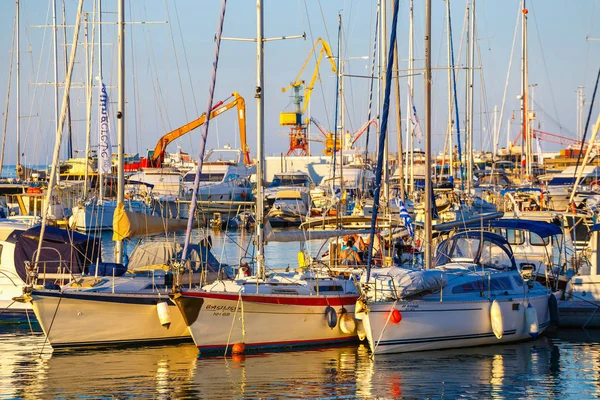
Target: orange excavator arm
[[218, 109]]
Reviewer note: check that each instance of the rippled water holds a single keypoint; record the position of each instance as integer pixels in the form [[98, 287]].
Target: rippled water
[[560, 365]]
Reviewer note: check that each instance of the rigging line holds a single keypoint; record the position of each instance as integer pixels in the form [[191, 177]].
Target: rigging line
[[136, 87], [44, 87], [541, 110], [537, 29], [185, 57], [211, 92], [483, 94], [587, 122], [176, 61], [512, 52], [8, 89], [373, 62], [324, 24], [312, 40], [456, 110]]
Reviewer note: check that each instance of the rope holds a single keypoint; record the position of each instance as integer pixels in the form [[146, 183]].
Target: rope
[[387, 321], [211, 92], [8, 91], [587, 122], [237, 307]]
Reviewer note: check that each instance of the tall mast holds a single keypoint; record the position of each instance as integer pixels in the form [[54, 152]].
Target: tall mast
[[411, 81], [18, 166], [100, 173], [451, 146], [260, 113], [399, 115], [470, 91], [69, 122], [525, 141], [342, 107], [383, 55], [120, 117], [428, 184], [55, 42]]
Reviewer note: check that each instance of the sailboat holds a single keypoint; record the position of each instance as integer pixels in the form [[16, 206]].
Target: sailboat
[[265, 311], [473, 296]]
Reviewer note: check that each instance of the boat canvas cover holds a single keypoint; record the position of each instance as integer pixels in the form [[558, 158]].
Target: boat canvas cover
[[60, 249], [399, 283], [153, 254]]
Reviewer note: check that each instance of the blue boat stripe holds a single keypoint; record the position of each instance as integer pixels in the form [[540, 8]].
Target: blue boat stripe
[[444, 338]]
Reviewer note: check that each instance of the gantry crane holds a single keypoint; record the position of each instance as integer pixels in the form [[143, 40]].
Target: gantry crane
[[298, 140], [156, 156]]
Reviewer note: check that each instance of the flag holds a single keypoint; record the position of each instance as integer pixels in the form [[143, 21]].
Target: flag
[[104, 146], [414, 120], [434, 211], [405, 217], [539, 151]]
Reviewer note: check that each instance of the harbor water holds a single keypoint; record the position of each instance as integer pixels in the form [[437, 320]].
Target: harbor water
[[563, 365]]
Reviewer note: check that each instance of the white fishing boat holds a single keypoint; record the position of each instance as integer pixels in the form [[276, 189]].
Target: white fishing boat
[[97, 215], [290, 208], [474, 296]]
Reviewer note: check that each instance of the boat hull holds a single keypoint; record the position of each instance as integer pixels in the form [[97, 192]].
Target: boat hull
[[429, 325], [97, 319], [219, 320]]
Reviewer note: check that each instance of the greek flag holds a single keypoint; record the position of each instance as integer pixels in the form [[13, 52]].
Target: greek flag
[[405, 217], [414, 120], [104, 146]]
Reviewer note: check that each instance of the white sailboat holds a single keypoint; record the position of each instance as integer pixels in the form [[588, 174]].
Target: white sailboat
[[475, 294], [265, 311]]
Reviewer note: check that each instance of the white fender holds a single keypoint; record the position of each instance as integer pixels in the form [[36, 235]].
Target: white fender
[[164, 315], [532, 321], [496, 319]]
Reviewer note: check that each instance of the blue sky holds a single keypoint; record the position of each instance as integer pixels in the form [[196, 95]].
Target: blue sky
[[169, 66]]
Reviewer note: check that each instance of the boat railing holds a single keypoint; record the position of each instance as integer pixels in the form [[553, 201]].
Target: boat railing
[[38, 273]]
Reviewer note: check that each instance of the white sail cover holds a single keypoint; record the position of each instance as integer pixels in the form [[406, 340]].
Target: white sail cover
[[399, 283]]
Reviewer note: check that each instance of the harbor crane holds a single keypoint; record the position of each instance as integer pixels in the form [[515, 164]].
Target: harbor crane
[[298, 127], [157, 156]]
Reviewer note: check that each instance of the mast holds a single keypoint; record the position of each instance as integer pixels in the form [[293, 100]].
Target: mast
[[342, 107], [69, 121], [19, 168], [100, 174], [525, 141], [470, 91], [411, 91], [120, 117], [449, 55], [89, 64], [260, 113], [55, 42], [399, 115], [428, 184], [383, 56]]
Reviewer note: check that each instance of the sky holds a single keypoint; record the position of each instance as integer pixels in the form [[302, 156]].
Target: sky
[[169, 63]]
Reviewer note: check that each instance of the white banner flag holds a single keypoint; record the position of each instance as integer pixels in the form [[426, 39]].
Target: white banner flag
[[539, 151], [104, 147], [414, 120]]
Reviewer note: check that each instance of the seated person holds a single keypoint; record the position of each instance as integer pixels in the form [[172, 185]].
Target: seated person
[[349, 251]]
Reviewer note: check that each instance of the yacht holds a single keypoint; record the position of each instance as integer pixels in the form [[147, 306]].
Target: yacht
[[474, 296]]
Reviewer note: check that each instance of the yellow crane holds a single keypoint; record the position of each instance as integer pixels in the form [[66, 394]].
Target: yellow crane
[[298, 140], [156, 156]]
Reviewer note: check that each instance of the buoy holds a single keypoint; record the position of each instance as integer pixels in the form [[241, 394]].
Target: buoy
[[164, 314], [347, 324], [496, 319], [395, 316], [553, 308], [331, 316], [532, 321], [360, 331], [238, 348]]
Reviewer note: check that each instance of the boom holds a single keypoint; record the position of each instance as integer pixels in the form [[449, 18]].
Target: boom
[[156, 157]]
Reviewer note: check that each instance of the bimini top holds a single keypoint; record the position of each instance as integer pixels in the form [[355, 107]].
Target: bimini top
[[477, 247], [541, 228]]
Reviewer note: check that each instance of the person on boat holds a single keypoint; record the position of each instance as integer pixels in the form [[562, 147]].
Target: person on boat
[[349, 251]]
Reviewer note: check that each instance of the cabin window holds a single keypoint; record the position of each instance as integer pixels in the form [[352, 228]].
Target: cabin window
[[519, 280], [466, 248], [514, 236], [502, 283], [537, 240]]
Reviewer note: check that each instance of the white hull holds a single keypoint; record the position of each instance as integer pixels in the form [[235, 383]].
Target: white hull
[[429, 325], [88, 319], [269, 321], [97, 217]]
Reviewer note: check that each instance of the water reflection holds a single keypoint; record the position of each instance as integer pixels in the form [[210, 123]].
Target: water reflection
[[558, 366]]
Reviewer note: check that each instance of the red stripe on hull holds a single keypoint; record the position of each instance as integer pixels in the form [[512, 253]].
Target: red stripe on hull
[[316, 300]]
